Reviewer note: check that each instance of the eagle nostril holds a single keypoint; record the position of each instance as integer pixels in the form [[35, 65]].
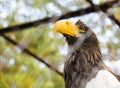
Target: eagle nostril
[[67, 23]]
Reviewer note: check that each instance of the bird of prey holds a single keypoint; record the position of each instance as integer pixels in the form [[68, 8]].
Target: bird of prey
[[84, 67]]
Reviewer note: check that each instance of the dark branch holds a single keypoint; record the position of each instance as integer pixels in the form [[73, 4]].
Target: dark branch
[[102, 7], [33, 55], [112, 17]]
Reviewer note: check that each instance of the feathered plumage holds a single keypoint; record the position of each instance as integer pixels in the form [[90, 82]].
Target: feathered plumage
[[84, 67]]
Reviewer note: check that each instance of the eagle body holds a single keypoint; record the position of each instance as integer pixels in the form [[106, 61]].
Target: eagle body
[[84, 67], [84, 64]]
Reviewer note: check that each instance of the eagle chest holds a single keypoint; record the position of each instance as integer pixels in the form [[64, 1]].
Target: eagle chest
[[76, 72]]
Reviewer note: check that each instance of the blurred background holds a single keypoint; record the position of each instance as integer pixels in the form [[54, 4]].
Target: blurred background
[[34, 57]]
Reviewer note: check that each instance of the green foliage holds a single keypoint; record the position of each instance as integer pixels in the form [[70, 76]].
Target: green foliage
[[26, 72]]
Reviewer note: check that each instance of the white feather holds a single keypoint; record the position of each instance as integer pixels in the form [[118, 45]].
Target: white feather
[[104, 79]]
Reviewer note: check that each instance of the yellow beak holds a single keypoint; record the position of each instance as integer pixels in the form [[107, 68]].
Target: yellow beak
[[66, 27]]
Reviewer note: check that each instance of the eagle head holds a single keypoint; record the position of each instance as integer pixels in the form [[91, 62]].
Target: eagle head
[[80, 38]]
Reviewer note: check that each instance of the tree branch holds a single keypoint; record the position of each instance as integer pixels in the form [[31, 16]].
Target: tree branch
[[27, 51], [112, 17], [102, 7]]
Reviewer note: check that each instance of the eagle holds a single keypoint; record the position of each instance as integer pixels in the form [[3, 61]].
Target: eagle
[[84, 67]]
